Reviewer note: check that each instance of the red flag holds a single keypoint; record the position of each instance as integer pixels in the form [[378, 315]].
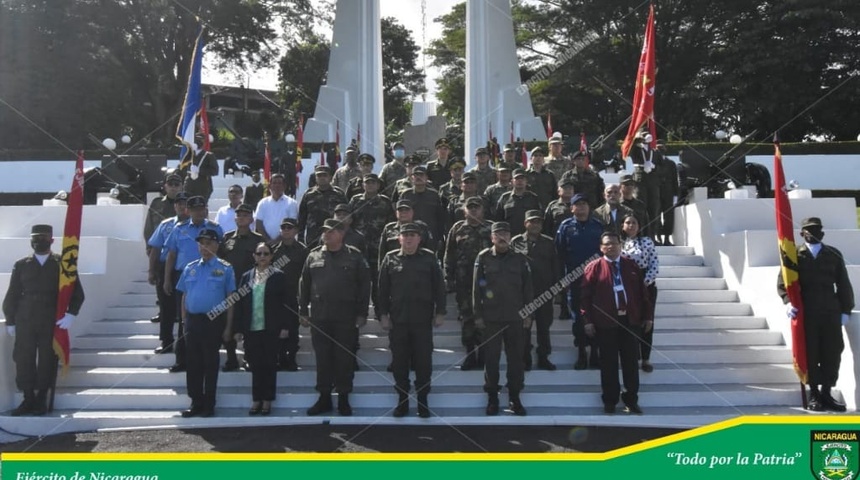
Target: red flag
[[583, 147], [337, 144], [204, 127], [548, 125], [788, 262], [300, 142], [322, 154], [69, 262], [525, 156], [267, 165], [643, 95]]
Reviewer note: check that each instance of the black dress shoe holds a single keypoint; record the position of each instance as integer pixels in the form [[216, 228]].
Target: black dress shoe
[[177, 367], [517, 408], [343, 406], [255, 409], [831, 404], [647, 367], [192, 412], [155, 319], [25, 408], [633, 408], [323, 405], [164, 349], [543, 363], [423, 410], [607, 408], [401, 410], [492, 405]]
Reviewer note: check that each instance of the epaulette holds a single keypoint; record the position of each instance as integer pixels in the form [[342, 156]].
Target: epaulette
[[224, 262]]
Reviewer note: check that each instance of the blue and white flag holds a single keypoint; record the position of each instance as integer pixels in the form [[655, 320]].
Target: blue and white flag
[[188, 125]]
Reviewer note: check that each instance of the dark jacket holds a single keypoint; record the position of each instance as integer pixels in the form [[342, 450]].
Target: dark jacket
[[502, 286], [824, 284], [411, 287], [290, 260], [31, 301], [543, 259], [274, 304], [604, 214], [335, 286]]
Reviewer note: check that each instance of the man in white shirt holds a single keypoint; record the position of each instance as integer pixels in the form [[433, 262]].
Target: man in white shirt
[[226, 216], [274, 208]]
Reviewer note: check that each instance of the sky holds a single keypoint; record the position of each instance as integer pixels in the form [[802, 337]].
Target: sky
[[406, 12]]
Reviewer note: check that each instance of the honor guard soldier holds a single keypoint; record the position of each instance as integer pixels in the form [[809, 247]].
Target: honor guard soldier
[[541, 181], [612, 213], [670, 190], [30, 307], [469, 189], [452, 187], [437, 170], [502, 288], [198, 176], [546, 271], [509, 157], [255, 191], [370, 213], [348, 171], [646, 165], [466, 239], [828, 299], [628, 189], [483, 171], [289, 255], [182, 249], [286, 164], [356, 185], [317, 205], [513, 205], [426, 203], [395, 169], [411, 302], [333, 301], [557, 163], [585, 180], [167, 312], [205, 285], [238, 250], [390, 238]]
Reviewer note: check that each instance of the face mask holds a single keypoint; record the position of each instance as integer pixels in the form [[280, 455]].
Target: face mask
[[40, 245], [399, 153]]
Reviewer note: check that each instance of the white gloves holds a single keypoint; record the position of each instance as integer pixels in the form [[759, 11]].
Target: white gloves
[[649, 165], [845, 318], [66, 321], [790, 311], [10, 330]]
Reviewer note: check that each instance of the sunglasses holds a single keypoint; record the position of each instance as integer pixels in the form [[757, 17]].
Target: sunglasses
[[262, 254]]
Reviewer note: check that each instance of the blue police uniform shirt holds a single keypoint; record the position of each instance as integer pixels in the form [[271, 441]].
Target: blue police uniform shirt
[[577, 242], [206, 284], [159, 236], [183, 241]]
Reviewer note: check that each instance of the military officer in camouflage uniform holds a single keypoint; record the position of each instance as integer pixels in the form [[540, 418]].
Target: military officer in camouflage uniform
[[465, 240], [370, 213], [559, 209], [426, 203], [161, 208], [317, 205], [469, 189], [484, 172], [356, 185], [646, 165], [395, 169], [585, 180], [540, 180], [452, 187], [495, 191], [628, 189], [509, 158], [438, 171], [348, 171], [405, 183], [513, 205], [557, 163], [390, 238]]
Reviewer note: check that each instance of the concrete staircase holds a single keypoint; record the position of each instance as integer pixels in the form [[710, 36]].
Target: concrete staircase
[[713, 360]]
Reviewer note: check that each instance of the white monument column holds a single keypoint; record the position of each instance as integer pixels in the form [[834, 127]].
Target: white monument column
[[353, 92], [494, 91]]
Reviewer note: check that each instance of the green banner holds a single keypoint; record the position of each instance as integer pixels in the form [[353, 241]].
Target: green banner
[[801, 447]]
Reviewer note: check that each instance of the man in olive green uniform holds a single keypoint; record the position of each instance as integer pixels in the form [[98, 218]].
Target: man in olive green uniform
[[395, 169], [452, 187], [502, 287], [670, 189], [495, 191], [469, 189], [411, 302], [509, 158], [466, 239], [370, 213], [426, 203], [513, 205], [159, 210], [628, 189], [484, 172], [557, 163], [585, 180], [356, 185], [289, 255], [646, 165], [546, 271], [30, 307], [333, 300], [405, 183], [317, 205], [437, 170], [540, 180], [238, 250], [390, 238], [828, 299], [348, 171], [559, 209], [254, 192]]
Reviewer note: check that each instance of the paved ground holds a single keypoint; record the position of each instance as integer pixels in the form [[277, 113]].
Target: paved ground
[[349, 438]]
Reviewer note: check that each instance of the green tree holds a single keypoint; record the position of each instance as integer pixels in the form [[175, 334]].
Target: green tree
[[401, 78], [302, 71]]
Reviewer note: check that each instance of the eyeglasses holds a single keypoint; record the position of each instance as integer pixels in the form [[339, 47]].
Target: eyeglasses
[[262, 254]]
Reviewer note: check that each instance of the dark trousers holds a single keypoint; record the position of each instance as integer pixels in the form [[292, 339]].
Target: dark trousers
[[580, 339], [290, 345], [470, 334], [203, 338], [511, 334], [412, 344], [333, 343], [542, 322], [668, 210], [647, 339], [261, 351], [649, 193], [35, 360], [181, 341], [166, 308], [824, 345], [614, 343]]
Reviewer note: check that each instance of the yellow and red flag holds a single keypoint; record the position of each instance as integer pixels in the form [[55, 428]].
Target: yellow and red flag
[[300, 142], [69, 261], [788, 263], [643, 95]]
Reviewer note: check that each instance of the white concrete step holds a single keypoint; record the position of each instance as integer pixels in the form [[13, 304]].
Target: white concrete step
[[701, 308], [685, 271], [675, 250], [684, 296], [690, 283], [679, 260]]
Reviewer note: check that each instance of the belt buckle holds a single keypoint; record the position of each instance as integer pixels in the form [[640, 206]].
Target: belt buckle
[[622, 312]]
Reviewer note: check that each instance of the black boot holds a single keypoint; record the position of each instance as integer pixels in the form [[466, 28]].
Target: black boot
[[423, 406], [516, 405], [343, 406], [543, 363], [323, 405], [815, 404], [471, 360], [830, 403], [40, 406], [402, 407], [492, 404], [582, 360], [594, 358], [26, 406]]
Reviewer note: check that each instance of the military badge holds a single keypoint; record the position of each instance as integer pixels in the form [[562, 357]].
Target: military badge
[[218, 273], [834, 454]]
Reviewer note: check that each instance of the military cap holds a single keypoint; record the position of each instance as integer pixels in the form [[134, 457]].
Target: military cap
[[811, 222], [322, 169], [471, 201], [207, 234], [578, 155], [538, 150], [42, 230], [366, 158], [500, 227], [508, 148], [173, 177], [371, 177], [456, 163], [232, 188], [534, 215], [442, 142], [332, 224], [419, 169], [351, 148], [289, 222], [342, 207], [578, 198], [180, 197], [409, 228], [396, 144], [245, 208], [555, 140], [566, 182], [481, 151], [470, 176], [404, 204], [412, 160], [627, 179], [519, 173], [196, 201], [503, 168]]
